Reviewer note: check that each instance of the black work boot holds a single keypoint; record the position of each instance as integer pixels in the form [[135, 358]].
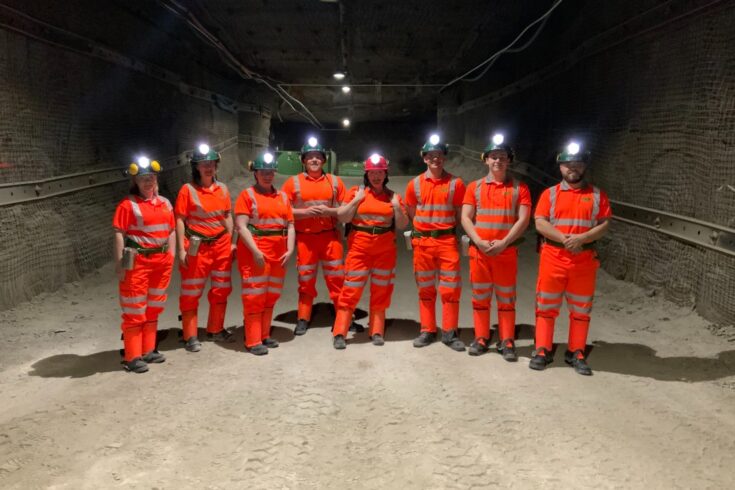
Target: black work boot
[[154, 357], [258, 350], [301, 327], [507, 349], [193, 344], [541, 358], [378, 339], [356, 327], [577, 361], [223, 335], [451, 339], [136, 365], [478, 346], [339, 342], [270, 342], [424, 339]]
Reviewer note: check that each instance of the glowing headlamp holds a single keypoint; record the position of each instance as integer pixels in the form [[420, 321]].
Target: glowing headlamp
[[498, 139], [434, 139], [203, 149]]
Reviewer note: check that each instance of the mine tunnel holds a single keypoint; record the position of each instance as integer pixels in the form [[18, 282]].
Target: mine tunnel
[[637, 96]]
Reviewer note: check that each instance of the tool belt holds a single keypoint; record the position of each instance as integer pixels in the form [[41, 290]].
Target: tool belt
[[514, 244], [373, 230], [145, 251], [586, 246], [258, 232], [433, 233], [205, 239]]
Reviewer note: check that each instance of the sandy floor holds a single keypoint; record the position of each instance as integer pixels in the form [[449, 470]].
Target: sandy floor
[[658, 413]]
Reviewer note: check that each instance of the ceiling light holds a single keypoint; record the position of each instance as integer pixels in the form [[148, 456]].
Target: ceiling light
[[339, 75], [346, 122], [346, 89]]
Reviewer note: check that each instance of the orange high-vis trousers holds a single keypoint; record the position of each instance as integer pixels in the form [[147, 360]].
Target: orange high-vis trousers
[[312, 250], [368, 257], [261, 288], [142, 298], [496, 274], [563, 275], [432, 258], [214, 262]]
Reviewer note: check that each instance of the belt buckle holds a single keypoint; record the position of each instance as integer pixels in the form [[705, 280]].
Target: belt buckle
[[374, 230]]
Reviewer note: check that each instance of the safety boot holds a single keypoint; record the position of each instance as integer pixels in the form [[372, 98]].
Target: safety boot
[[478, 346], [578, 362], [136, 365], [378, 339], [424, 339], [339, 342], [451, 339], [541, 358], [507, 349], [258, 350], [223, 336], [193, 344], [301, 327], [154, 357], [356, 327], [270, 342]]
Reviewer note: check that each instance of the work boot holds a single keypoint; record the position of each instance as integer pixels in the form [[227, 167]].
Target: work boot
[[339, 342], [258, 350], [507, 349], [223, 336], [154, 357], [451, 339], [378, 339], [270, 342], [193, 345], [356, 327], [478, 346], [136, 365], [541, 358], [424, 339], [577, 362], [301, 327]]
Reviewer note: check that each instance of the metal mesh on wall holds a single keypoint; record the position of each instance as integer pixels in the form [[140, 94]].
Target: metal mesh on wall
[[658, 113]]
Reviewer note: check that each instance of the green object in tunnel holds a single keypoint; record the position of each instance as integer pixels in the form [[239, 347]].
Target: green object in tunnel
[[289, 162], [351, 169]]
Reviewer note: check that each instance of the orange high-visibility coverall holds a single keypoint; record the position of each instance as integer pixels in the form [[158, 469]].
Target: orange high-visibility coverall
[[563, 273], [204, 212], [145, 224], [370, 254], [436, 201], [269, 217], [317, 239], [496, 211]]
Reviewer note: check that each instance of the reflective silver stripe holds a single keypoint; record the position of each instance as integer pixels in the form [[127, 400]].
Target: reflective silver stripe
[[217, 213], [150, 228], [423, 283], [152, 291], [354, 284], [482, 285], [493, 226], [505, 300], [374, 217], [574, 222], [417, 189], [452, 186], [307, 267], [225, 285], [542, 294], [505, 289], [434, 219], [205, 224], [382, 282], [136, 211], [447, 273], [251, 279], [142, 240], [156, 304], [495, 212], [306, 277], [579, 309], [452, 285], [273, 289], [334, 272], [269, 221], [253, 290], [275, 280], [595, 205], [435, 207], [254, 210], [552, 201], [133, 311], [191, 282], [317, 202], [481, 297], [580, 299], [383, 272], [221, 273], [364, 272], [425, 273], [331, 263], [548, 306], [132, 299], [191, 292]]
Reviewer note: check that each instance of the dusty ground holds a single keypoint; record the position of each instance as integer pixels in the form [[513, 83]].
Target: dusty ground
[[658, 413]]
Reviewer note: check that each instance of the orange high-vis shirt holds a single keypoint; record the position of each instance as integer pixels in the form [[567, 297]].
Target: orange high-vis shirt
[[204, 210], [435, 201], [496, 205], [149, 223], [271, 211], [573, 211], [374, 210], [304, 191]]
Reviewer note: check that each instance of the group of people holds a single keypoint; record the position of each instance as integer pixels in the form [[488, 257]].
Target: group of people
[[270, 224]]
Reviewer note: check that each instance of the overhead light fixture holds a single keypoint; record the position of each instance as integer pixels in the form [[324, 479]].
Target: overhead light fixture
[[346, 122], [339, 75], [346, 89]]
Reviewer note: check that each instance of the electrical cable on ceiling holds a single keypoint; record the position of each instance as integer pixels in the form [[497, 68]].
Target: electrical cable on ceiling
[[506, 49]]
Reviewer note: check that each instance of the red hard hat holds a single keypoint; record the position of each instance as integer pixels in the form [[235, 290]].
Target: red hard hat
[[376, 162]]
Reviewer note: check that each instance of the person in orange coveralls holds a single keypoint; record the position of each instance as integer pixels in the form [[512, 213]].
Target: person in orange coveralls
[[203, 211], [570, 216], [265, 224], [144, 234], [374, 213], [315, 197], [495, 214], [434, 201]]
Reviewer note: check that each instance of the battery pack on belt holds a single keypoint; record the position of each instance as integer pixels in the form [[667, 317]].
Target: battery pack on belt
[[434, 233], [586, 246], [258, 232], [205, 239], [373, 230], [145, 251]]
